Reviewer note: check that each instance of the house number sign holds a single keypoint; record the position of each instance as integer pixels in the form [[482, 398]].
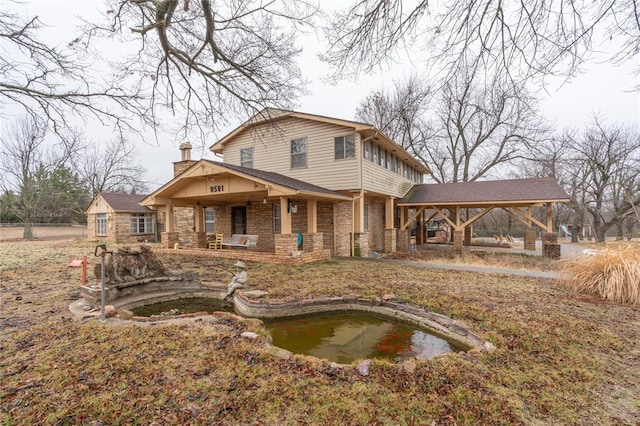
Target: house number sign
[[216, 188]]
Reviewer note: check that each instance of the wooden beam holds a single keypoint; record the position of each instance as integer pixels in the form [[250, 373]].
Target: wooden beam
[[445, 217], [477, 216], [412, 218], [524, 217]]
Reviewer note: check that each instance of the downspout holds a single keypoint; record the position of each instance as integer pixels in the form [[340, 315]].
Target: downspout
[[353, 221], [353, 206]]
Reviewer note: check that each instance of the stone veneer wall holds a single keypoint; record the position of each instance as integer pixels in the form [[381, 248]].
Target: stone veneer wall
[[376, 225], [325, 224], [343, 225], [184, 225]]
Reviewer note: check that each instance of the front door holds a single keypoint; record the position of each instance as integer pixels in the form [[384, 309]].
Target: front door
[[239, 220]]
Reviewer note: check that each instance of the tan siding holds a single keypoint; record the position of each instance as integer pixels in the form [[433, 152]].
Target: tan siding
[[272, 152], [380, 180]]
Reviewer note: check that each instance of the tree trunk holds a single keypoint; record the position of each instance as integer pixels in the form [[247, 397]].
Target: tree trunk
[[27, 233]]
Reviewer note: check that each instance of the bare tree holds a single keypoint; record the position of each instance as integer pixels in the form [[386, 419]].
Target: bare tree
[[402, 114], [533, 38], [27, 163], [483, 124], [600, 170], [112, 168], [208, 61], [54, 84]]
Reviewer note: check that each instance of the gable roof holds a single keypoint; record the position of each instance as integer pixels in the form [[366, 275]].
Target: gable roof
[[274, 115], [281, 180], [510, 191], [259, 176], [121, 202]]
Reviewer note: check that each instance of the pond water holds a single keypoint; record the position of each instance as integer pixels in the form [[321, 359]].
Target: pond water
[[345, 337], [184, 306]]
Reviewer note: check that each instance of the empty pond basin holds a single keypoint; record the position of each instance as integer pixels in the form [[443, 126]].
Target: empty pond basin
[[183, 306], [344, 337]]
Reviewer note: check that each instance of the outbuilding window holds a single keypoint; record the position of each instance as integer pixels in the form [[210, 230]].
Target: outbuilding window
[[101, 224]]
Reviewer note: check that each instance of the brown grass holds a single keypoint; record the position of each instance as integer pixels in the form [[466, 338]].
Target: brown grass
[[613, 274], [560, 358]]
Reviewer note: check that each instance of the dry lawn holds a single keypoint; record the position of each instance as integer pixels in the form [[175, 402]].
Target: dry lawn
[[561, 357]]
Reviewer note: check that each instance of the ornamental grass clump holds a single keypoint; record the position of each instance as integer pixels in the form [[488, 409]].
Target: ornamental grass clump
[[613, 274]]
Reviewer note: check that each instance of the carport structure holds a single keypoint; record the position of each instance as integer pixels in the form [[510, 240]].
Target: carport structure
[[461, 204]]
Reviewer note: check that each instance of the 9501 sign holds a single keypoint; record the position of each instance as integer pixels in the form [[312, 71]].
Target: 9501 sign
[[216, 188]]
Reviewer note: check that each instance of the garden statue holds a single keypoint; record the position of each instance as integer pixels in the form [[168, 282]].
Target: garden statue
[[238, 280]]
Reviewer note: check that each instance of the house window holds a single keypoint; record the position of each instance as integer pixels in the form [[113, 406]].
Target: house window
[[101, 224], [209, 221], [382, 156], [366, 150], [344, 147], [141, 223], [246, 157], [277, 219], [298, 153], [374, 155]]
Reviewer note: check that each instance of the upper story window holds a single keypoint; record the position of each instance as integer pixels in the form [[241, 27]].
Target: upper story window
[[246, 157], [141, 223], [298, 153], [344, 147]]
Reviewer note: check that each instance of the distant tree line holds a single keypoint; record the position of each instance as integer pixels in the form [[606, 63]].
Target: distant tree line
[[53, 180]]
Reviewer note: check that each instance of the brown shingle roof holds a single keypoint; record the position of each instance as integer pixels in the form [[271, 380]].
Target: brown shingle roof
[[125, 202], [486, 192]]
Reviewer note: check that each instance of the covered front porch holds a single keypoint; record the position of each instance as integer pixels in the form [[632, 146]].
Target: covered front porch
[[285, 218]]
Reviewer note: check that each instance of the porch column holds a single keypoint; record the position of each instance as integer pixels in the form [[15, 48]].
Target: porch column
[[170, 237], [200, 237], [312, 216], [358, 214], [389, 221], [285, 216]]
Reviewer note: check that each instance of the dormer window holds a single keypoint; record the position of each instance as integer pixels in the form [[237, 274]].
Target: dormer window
[[345, 147]]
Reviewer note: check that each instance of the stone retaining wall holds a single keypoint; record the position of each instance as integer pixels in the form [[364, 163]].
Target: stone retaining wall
[[441, 324]]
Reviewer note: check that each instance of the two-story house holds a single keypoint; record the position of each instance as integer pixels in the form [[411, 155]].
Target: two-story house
[[304, 184]]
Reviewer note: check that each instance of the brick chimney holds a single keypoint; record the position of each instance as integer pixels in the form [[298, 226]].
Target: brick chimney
[[186, 161]]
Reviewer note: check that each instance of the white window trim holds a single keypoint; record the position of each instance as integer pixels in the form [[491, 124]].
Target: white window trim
[[301, 154]]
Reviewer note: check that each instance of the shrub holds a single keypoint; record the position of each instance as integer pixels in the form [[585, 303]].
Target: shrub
[[613, 274]]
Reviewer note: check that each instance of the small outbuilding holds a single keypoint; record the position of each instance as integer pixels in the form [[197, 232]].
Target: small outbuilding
[[119, 218]]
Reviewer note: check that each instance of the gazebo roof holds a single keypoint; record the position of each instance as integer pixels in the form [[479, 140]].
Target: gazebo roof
[[482, 193]]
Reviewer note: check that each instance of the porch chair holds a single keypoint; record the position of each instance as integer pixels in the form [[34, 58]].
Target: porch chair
[[216, 243]]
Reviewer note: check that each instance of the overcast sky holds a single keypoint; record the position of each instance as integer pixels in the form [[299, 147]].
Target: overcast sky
[[603, 89]]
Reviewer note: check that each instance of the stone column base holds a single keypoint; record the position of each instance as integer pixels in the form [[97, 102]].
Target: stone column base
[[361, 244], [529, 238], [404, 241], [458, 240], [390, 240], [170, 239], [286, 244], [312, 242]]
